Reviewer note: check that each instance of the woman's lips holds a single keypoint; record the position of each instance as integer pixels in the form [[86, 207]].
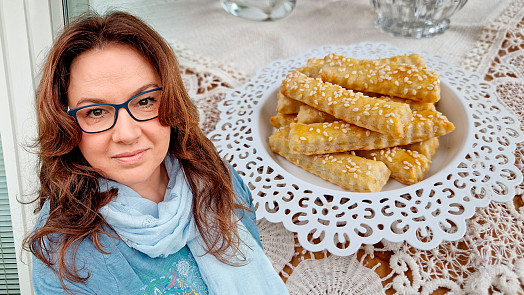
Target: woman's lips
[[130, 157]]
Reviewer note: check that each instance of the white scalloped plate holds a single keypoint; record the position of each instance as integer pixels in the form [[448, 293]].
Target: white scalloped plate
[[473, 165]]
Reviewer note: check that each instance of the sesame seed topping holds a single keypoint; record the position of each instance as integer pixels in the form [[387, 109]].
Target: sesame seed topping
[[303, 138]]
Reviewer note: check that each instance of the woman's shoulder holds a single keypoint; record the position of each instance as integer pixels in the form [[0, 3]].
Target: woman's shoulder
[[85, 257], [241, 189], [243, 192]]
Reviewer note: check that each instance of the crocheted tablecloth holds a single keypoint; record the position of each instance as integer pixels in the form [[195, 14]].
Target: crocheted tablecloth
[[486, 37]]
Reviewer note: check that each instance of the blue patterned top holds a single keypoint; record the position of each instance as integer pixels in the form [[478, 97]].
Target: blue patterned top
[[128, 271]]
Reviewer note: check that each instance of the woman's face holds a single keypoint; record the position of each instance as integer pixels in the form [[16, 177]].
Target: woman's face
[[131, 152]]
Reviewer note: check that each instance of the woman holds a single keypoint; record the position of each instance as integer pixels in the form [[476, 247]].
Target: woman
[[134, 199]]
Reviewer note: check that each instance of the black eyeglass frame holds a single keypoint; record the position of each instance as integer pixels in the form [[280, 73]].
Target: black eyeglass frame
[[125, 105]]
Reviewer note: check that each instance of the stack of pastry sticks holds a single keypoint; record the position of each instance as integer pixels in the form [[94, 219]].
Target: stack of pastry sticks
[[358, 122]]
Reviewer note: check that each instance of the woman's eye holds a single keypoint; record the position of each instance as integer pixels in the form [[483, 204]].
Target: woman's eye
[[96, 113], [145, 101]]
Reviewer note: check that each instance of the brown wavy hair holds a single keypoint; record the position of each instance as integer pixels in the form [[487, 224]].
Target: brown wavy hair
[[70, 184]]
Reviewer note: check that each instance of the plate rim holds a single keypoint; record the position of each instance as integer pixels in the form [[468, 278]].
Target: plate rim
[[468, 211]]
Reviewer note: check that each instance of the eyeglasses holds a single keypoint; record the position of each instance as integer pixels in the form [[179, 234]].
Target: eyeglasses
[[100, 117]]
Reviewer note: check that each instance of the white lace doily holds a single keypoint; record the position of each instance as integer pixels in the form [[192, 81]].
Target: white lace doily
[[339, 275], [474, 164]]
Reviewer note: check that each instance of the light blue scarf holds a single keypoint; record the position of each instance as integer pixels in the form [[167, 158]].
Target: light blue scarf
[[162, 229]]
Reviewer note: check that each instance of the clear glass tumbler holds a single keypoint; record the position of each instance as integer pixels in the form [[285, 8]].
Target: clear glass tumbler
[[259, 10], [415, 18]]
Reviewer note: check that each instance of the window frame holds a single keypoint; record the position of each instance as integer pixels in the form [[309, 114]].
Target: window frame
[[26, 34]]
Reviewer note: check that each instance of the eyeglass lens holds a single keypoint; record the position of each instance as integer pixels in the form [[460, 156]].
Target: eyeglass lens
[[101, 117]]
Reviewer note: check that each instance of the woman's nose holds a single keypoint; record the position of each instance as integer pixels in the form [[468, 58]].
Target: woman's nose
[[126, 129]]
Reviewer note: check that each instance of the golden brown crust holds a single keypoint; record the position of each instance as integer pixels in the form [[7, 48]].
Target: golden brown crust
[[393, 79], [344, 169], [406, 166], [321, 138], [389, 118], [407, 59], [282, 120], [308, 115], [287, 105], [312, 68], [427, 147], [413, 105]]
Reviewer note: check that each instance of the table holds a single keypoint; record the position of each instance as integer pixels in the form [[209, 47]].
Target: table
[[218, 52]]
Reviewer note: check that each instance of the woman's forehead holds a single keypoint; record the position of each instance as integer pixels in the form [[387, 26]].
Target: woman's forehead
[[115, 70]]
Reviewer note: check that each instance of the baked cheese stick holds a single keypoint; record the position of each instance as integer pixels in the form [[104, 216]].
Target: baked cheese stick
[[406, 166], [282, 120], [308, 115], [287, 105], [312, 68], [334, 137], [427, 148], [344, 169], [393, 79], [385, 117], [413, 105], [411, 59]]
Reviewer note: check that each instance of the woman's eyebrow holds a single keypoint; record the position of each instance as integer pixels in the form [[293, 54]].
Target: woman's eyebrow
[[144, 88], [92, 100], [89, 100]]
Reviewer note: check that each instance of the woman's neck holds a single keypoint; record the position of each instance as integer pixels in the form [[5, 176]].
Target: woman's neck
[[154, 188]]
